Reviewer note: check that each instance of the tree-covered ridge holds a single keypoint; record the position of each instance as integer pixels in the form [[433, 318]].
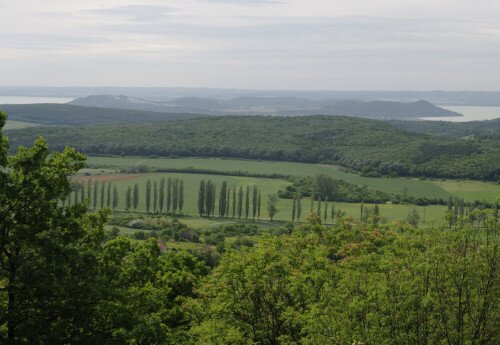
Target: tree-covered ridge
[[481, 129], [370, 147], [73, 115]]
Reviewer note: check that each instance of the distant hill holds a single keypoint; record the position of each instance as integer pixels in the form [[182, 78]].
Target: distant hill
[[271, 105], [370, 147], [478, 129], [68, 114]]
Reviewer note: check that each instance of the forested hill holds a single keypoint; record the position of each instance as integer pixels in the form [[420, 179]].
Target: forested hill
[[489, 128], [66, 114], [272, 105], [369, 146]]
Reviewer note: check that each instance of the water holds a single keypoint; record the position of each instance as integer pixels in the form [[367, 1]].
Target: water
[[471, 113], [32, 100]]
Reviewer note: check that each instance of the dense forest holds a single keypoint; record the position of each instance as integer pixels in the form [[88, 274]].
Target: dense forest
[[65, 280], [66, 114], [370, 147], [480, 129]]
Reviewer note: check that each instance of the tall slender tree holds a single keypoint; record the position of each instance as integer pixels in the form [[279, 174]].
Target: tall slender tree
[[240, 202], [169, 194], [208, 198], [234, 200], [214, 191], [259, 204], [247, 202], [135, 196], [175, 195], [294, 205], [254, 202], [333, 213], [228, 201], [181, 195], [318, 211], [82, 192], [115, 197], [148, 195], [222, 199], [128, 199], [272, 200], [155, 196], [326, 209], [201, 198], [103, 189], [96, 186], [108, 199], [161, 196], [89, 191], [299, 207]]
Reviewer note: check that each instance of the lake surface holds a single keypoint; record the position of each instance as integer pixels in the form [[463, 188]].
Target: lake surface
[[32, 100], [471, 113]]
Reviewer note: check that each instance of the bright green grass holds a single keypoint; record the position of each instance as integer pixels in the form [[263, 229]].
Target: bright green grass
[[267, 186], [469, 190], [18, 124]]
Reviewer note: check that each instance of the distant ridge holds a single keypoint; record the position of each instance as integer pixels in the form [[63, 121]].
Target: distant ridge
[[271, 106]]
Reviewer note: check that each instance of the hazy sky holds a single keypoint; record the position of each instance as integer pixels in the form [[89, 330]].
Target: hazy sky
[[286, 44]]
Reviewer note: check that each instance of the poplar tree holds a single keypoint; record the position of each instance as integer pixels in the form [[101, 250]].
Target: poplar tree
[[240, 202], [103, 189], [299, 207], [135, 196], [89, 191], [128, 199], [259, 204], [214, 189], [161, 197], [155, 196], [333, 213], [148, 195], [293, 209], [108, 200], [96, 185], [208, 198], [326, 209], [169, 194], [201, 198], [234, 200], [115, 197], [222, 199], [318, 211], [247, 202], [175, 195], [228, 201], [254, 202], [361, 209], [82, 192], [181, 195]]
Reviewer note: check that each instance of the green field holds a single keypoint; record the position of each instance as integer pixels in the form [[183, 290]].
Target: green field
[[469, 190], [18, 125], [266, 186]]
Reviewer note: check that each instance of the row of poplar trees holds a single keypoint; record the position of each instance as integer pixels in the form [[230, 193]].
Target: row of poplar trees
[[233, 202], [167, 195]]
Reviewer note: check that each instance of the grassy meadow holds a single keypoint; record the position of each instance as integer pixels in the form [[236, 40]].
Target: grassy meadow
[[469, 190], [18, 125], [389, 212]]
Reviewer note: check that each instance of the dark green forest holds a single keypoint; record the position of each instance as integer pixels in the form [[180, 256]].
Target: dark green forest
[[370, 147], [480, 129]]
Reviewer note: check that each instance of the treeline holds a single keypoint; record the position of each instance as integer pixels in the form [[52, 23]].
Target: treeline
[[339, 190], [370, 147]]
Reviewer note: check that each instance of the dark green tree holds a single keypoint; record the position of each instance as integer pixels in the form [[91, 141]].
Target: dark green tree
[[272, 201], [201, 198], [96, 186], [148, 195], [169, 194], [299, 207], [108, 197], [259, 205], [181, 195], [103, 190], [240, 202], [161, 196], [175, 195], [294, 201], [222, 199], [135, 197], [247, 201], [128, 199], [234, 201], [254, 202], [155, 196], [116, 197]]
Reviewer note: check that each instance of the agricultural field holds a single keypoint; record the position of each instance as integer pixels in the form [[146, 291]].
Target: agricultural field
[[190, 215], [18, 125], [469, 190]]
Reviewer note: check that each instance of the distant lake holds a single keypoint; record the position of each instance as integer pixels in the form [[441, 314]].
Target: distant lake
[[32, 100], [471, 113]]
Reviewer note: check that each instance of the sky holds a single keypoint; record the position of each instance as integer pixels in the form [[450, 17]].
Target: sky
[[253, 44]]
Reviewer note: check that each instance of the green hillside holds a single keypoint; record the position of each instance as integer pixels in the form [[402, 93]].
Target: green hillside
[[371, 147]]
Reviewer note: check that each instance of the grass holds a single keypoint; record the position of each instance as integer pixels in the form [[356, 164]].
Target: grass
[[389, 212], [18, 124], [469, 190]]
